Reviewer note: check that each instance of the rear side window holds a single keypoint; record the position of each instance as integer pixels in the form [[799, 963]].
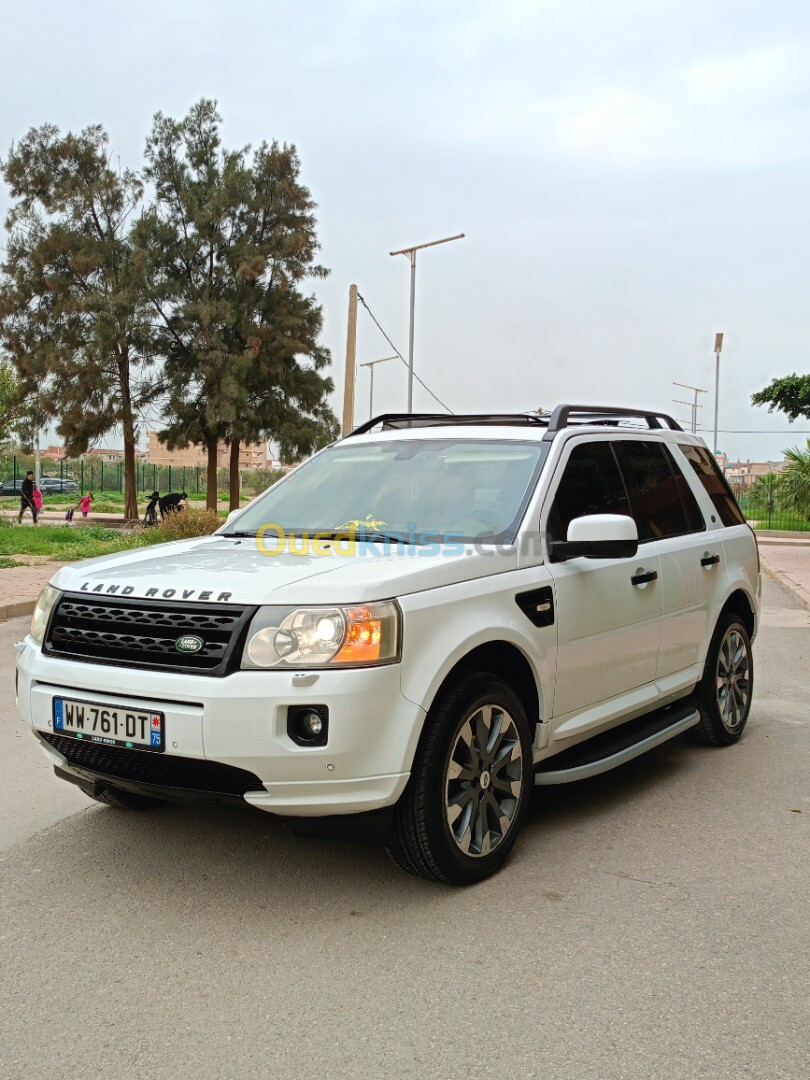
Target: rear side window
[[714, 483], [655, 492], [590, 484]]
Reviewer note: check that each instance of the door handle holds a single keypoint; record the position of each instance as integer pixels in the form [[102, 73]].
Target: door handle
[[645, 576], [710, 560]]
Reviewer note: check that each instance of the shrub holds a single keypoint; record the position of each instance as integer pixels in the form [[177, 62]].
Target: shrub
[[183, 525]]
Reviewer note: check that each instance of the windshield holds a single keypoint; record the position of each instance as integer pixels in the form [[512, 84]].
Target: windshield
[[421, 491]]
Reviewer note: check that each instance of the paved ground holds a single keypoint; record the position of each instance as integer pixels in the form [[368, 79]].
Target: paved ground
[[652, 923]]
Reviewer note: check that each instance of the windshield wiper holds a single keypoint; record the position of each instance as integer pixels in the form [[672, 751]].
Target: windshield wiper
[[395, 538]]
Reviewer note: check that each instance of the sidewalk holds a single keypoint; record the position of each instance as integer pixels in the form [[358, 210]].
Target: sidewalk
[[788, 564], [20, 587]]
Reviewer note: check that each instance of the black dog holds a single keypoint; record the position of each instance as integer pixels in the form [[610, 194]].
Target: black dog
[[173, 501]]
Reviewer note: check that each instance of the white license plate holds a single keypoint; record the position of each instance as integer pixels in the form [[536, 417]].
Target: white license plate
[[111, 725]]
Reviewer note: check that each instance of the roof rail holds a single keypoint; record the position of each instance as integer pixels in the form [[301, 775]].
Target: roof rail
[[604, 414], [392, 421], [562, 417]]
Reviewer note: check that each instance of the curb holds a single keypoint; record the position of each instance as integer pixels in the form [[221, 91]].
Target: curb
[[16, 611], [800, 595]]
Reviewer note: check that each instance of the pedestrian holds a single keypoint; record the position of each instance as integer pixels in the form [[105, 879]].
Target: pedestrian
[[150, 517], [84, 503], [27, 497], [37, 499]]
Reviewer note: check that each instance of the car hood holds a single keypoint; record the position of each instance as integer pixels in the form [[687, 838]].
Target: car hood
[[215, 568]]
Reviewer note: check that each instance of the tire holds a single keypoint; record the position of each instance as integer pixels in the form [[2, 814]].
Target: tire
[[469, 790], [725, 691], [125, 800]]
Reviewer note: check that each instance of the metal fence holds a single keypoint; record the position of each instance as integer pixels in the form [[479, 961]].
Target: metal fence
[[765, 509], [108, 476]]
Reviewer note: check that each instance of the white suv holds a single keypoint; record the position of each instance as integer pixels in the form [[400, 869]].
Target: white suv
[[414, 626]]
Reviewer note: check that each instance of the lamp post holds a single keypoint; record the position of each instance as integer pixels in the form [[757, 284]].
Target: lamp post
[[371, 364], [410, 252], [718, 348]]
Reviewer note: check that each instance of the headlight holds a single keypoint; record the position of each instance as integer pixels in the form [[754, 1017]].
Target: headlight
[[339, 636], [42, 612]]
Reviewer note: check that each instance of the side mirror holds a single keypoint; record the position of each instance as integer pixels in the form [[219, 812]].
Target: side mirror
[[234, 514], [597, 536]]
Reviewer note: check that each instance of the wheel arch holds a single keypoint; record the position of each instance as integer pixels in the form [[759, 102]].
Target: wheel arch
[[506, 660], [739, 603]]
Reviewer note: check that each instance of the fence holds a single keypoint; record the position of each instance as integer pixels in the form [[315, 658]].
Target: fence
[[101, 476], [764, 507]]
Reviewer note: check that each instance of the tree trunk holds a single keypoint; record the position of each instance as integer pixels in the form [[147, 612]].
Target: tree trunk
[[128, 423], [211, 478], [233, 478]]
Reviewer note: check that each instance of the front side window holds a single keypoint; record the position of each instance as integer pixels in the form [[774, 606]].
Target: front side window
[[714, 483], [454, 489], [653, 488], [591, 484]]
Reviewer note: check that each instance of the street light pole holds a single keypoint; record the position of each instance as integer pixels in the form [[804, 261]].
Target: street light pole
[[410, 252], [718, 348], [371, 364]]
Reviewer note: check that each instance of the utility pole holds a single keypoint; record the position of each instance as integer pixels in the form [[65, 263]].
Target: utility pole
[[371, 364], [351, 355], [718, 348], [410, 252], [693, 405]]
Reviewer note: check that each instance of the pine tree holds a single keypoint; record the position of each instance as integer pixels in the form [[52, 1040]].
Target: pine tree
[[230, 240], [72, 314]]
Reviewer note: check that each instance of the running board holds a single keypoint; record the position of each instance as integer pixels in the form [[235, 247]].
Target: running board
[[615, 747]]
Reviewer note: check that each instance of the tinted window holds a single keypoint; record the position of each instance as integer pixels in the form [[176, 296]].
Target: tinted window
[[708, 472], [590, 484], [654, 495], [694, 517]]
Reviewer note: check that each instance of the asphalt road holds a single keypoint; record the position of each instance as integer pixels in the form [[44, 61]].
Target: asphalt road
[[651, 923]]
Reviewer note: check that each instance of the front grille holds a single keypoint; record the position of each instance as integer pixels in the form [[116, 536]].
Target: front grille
[[157, 770], [143, 633]]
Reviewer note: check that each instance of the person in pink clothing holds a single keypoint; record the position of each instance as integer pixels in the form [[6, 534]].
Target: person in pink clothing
[[84, 503]]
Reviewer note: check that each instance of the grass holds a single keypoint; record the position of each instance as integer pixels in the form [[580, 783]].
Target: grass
[[9, 564], [70, 543]]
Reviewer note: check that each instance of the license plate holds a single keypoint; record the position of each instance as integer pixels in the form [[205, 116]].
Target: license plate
[[110, 725]]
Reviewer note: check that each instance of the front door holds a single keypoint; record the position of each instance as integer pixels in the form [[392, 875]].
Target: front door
[[608, 610]]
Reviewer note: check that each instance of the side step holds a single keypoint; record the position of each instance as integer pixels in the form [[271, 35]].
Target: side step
[[615, 747]]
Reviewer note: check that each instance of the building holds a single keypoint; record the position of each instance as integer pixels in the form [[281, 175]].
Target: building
[[251, 456], [109, 457], [53, 453], [742, 475]]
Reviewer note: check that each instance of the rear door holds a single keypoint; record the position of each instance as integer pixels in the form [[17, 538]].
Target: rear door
[[692, 561], [608, 625]]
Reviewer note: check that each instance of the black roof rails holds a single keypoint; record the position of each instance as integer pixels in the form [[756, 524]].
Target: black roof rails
[[604, 414], [562, 417], [391, 421]]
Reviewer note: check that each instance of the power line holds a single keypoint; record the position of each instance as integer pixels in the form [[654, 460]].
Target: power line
[[401, 357]]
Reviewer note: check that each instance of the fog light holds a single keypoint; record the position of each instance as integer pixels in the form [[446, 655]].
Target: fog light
[[308, 725]]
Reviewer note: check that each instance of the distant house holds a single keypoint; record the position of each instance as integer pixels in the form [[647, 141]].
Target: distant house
[[742, 475], [109, 457], [251, 456]]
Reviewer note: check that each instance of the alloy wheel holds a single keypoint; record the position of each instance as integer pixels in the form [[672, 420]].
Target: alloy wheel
[[484, 780], [733, 679]]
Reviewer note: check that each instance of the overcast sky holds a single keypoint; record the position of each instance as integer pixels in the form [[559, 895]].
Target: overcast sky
[[631, 177]]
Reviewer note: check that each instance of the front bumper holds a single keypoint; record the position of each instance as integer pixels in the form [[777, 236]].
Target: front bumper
[[241, 721]]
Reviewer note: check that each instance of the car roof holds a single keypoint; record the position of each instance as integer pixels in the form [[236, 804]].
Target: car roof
[[545, 427]]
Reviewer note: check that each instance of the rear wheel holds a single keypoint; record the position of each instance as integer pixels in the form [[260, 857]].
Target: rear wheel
[[470, 784], [724, 692], [125, 800]]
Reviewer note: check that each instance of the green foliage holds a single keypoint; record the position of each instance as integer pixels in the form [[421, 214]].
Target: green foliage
[[229, 242], [61, 542], [794, 483], [790, 395], [259, 480], [9, 564], [72, 315]]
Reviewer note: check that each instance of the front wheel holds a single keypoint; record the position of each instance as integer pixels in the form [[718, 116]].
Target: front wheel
[[724, 692], [470, 785]]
